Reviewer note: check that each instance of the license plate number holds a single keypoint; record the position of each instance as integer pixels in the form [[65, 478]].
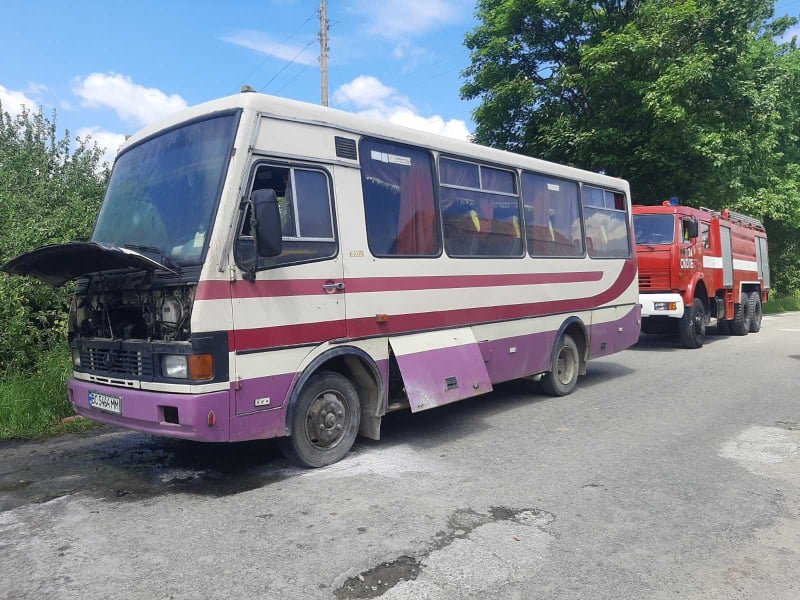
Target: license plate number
[[105, 402]]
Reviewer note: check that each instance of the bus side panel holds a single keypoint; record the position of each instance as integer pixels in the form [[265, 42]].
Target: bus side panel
[[614, 329], [440, 367], [515, 349]]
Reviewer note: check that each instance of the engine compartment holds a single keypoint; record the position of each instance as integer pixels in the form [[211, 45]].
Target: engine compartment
[[132, 307]]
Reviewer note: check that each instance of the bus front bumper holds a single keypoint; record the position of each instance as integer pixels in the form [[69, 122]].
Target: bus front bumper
[[201, 417], [661, 305]]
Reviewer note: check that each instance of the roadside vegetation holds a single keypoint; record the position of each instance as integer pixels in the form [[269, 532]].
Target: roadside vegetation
[[779, 304], [50, 190]]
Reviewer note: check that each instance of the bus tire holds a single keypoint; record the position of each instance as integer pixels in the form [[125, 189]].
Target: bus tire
[[325, 421], [692, 325], [564, 370], [756, 312], [740, 325]]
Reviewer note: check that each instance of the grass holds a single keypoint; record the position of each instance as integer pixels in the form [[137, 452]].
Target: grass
[[779, 304], [36, 405]]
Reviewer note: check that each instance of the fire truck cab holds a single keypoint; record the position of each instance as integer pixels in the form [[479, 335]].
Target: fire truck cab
[[697, 266]]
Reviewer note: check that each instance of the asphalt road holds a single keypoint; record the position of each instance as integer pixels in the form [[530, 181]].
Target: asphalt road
[[669, 473]]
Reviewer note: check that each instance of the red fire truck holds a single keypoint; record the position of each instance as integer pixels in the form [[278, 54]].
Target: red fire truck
[[697, 266]]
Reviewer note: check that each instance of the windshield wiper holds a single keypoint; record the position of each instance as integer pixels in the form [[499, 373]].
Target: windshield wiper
[[165, 260]]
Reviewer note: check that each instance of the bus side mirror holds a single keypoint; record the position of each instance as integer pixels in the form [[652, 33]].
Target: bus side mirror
[[691, 229], [265, 223]]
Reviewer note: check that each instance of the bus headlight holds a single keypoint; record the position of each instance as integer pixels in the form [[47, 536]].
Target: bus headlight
[[76, 358], [175, 366], [199, 367]]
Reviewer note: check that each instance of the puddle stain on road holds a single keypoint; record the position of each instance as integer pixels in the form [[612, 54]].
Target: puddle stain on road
[[125, 467], [461, 526]]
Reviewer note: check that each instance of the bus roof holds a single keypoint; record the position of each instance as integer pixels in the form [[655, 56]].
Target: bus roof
[[283, 108]]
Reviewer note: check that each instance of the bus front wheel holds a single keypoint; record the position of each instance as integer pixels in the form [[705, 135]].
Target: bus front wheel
[[325, 421], [563, 375]]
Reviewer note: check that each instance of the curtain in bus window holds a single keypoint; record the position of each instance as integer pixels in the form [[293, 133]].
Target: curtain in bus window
[[399, 203], [552, 216], [478, 223], [497, 180], [606, 233]]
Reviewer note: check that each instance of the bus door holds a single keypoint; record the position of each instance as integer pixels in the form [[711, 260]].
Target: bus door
[[297, 299]]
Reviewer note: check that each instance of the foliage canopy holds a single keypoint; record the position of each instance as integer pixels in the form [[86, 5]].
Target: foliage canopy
[[693, 98], [49, 193]]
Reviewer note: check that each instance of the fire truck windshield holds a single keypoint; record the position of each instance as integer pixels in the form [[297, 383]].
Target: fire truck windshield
[[654, 229]]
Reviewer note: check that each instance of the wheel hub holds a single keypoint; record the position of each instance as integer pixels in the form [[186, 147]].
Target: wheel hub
[[566, 366], [326, 419]]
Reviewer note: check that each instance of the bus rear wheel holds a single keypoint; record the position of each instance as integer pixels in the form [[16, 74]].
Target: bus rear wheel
[[324, 423], [563, 375]]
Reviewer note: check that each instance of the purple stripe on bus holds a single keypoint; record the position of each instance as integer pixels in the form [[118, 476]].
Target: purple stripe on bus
[[530, 355], [143, 411], [270, 392], [616, 335], [261, 425]]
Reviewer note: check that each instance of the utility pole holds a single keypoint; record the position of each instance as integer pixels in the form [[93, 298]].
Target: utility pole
[[323, 50]]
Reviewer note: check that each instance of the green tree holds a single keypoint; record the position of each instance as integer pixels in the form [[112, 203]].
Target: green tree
[[49, 193], [693, 98]]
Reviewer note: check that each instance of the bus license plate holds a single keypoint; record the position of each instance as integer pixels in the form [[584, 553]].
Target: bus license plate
[[105, 403]]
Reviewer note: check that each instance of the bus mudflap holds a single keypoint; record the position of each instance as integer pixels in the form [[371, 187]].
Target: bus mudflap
[[440, 367]]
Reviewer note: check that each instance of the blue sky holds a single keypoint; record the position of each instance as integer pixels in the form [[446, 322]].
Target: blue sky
[[111, 67]]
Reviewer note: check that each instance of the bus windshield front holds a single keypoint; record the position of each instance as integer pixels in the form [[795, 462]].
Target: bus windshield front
[[163, 193], [654, 229]]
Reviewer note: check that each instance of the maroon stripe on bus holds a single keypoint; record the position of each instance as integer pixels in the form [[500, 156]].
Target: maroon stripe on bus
[[219, 290], [306, 333]]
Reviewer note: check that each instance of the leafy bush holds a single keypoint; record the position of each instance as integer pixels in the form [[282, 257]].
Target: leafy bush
[[49, 193]]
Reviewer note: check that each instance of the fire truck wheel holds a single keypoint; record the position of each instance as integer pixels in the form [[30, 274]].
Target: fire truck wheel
[[566, 366], [325, 422], [755, 312], [692, 326], [740, 325]]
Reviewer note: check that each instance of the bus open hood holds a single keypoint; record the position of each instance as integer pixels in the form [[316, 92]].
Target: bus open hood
[[58, 263]]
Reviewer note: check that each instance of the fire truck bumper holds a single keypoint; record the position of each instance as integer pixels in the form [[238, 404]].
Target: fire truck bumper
[[661, 305]]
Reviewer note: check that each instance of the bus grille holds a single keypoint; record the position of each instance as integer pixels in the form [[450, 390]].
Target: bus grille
[[116, 362], [653, 280]]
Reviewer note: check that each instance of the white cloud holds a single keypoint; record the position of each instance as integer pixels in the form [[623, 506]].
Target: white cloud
[[412, 55], [13, 101], [264, 44], [108, 141], [371, 98], [131, 101], [397, 20]]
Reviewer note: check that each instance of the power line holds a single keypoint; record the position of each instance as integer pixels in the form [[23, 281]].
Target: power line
[[267, 57], [287, 65]]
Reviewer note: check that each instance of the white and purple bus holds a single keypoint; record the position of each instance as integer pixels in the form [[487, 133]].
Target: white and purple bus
[[264, 268]]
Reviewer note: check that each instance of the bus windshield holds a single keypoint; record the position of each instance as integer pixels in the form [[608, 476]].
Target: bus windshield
[[654, 229], [163, 193]]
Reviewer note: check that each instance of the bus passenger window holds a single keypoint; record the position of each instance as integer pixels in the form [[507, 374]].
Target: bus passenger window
[[552, 216], [606, 225], [399, 203], [480, 210], [305, 208]]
